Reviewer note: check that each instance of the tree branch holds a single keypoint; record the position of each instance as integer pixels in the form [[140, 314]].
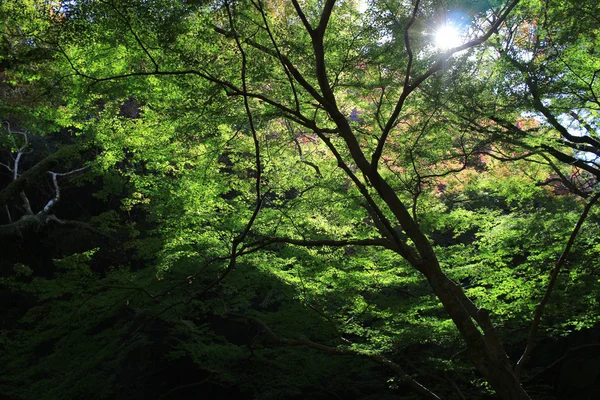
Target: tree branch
[[539, 105], [561, 359], [325, 242], [553, 276], [33, 174], [300, 13], [437, 66], [400, 373]]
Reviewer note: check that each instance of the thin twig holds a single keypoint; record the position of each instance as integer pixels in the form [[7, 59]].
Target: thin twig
[[561, 359]]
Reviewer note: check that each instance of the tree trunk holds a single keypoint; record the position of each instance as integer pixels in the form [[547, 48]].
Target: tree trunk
[[484, 348]]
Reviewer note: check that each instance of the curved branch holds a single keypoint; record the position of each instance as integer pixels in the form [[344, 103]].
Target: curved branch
[[259, 6]]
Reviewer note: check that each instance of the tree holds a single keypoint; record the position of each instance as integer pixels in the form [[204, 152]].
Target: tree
[[317, 127], [485, 348], [552, 58]]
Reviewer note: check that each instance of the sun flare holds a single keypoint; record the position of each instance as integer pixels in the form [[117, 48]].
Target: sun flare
[[447, 37]]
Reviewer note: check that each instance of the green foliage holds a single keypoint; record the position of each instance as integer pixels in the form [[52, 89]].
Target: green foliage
[[173, 247]]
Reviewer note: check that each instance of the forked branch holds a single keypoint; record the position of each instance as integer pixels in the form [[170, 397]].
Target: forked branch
[[409, 86]]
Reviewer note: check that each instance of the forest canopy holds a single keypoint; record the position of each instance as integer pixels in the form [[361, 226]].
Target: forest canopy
[[291, 199]]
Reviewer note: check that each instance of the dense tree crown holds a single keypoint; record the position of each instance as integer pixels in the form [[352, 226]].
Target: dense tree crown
[[277, 199]]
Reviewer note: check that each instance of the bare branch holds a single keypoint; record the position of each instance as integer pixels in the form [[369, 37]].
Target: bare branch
[[248, 112], [539, 105], [325, 15], [564, 180], [26, 203], [74, 171], [300, 152], [403, 249], [8, 215], [584, 123], [37, 171], [409, 51], [51, 203]]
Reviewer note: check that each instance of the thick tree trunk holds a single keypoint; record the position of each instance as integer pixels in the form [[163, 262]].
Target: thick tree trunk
[[485, 349]]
